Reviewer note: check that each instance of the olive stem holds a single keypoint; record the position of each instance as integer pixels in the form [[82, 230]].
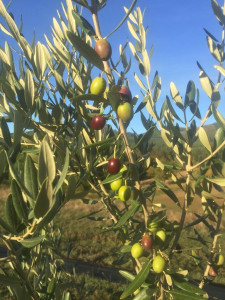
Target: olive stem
[[121, 125]]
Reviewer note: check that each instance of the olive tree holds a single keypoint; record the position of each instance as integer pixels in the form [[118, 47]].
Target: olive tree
[[61, 115]]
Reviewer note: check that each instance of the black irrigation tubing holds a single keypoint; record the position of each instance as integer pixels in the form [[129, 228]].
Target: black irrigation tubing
[[111, 274]]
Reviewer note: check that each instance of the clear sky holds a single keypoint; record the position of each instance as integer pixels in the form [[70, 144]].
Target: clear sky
[[175, 30]]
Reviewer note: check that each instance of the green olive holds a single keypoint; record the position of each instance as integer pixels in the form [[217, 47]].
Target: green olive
[[98, 86], [125, 111], [137, 250], [124, 193], [158, 264], [115, 185]]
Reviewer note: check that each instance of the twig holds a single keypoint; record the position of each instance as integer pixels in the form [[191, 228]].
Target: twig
[[207, 158]]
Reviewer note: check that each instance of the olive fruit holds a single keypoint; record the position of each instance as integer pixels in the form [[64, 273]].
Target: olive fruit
[[98, 86], [103, 49], [113, 165], [158, 264], [137, 250], [212, 272], [219, 259], [153, 227], [98, 122], [160, 236], [124, 193], [125, 111], [115, 185], [146, 242], [125, 93]]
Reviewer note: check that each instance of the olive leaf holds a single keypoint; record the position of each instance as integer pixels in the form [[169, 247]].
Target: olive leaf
[[138, 281], [84, 24]]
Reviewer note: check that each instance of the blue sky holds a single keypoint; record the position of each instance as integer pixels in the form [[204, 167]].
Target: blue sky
[[175, 30]]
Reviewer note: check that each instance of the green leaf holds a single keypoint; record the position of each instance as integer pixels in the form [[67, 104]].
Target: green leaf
[[113, 97], [190, 93], [206, 83], [50, 214], [220, 69], [18, 127], [138, 281], [218, 181], [130, 277], [140, 83], [10, 213], [43, 200], [39, 59], [124, 18], [64, 172], [164, 108], [204, 139], [5, 132], [184, 295], [197, 221], [219, 136], [112, 178], [157, 89], [31, 242], [133, 30], [218, 116], [212, 36], [46, 164], [210, 208], [127, 275], [18, 201], [126, 249], [182, 284], [15, 176], [128, 214], [85, 50], [30, 179], [146, 63], [57, 30], [9, 55], [167, 191], [214, 49], [218, 12], [3, 162], [29, 90], [145, 135], [84, 24], [176, 95], [194, 107], [173, 112]]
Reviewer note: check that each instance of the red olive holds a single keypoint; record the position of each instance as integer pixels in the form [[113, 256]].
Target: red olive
[[103, 49], [113, 165], [125, 93], [97, 122], [146, 242]]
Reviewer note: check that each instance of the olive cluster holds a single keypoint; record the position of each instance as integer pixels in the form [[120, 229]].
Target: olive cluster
[[98, 86], [152, 239]]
